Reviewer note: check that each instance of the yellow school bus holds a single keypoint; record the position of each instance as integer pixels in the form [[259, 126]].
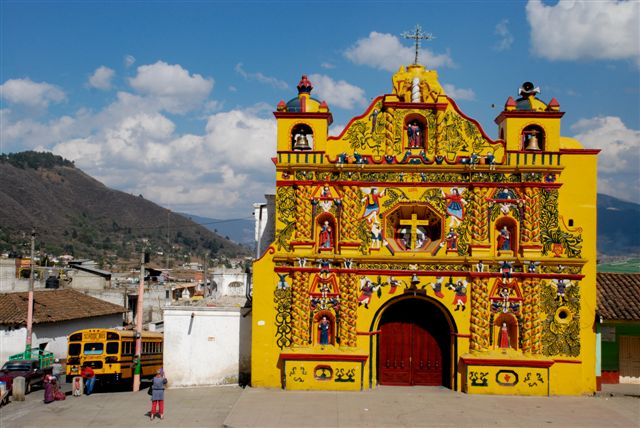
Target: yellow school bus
[[110, 353]]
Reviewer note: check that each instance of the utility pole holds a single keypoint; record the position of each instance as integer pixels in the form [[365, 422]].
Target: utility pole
[[139, 311], [30, 303], [205, 288], [168, 244]]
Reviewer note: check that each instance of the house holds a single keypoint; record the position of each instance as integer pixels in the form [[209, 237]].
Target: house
[[618, 328], [86, 276], [56, 314]]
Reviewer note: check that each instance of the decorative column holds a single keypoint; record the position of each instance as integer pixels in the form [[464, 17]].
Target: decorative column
[[389, 129], [532, 328], [350, 214], [300, 309], [531, 222], [479, 327], [349, 307], [536, 348], [303, 214], [478, 212]]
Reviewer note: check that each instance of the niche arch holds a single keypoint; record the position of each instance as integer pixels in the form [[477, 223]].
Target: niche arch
[[317, 318], [326, 232], [415, 132], [511, 226], [532, 138], [512, 329], [301, 137]]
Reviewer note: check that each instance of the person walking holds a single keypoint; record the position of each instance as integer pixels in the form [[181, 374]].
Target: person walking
[[89, 377], [157, 393]]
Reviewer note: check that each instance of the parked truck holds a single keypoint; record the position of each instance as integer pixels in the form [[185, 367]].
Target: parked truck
[[33, 366]]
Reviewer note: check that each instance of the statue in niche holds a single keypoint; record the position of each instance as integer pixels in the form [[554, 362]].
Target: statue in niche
[[324, 326], [504, 336], [414, 135], [325, 235], [504, 239]]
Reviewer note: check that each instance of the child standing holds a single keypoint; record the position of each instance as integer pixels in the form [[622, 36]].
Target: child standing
[[157, 394]]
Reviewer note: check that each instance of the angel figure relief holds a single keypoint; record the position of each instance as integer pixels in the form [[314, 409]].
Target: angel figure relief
[[372, 204], [455, 206]]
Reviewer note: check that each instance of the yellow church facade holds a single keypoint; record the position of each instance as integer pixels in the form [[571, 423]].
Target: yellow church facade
[[413, 249]]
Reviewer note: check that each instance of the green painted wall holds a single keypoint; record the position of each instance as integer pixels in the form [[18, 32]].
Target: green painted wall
[[610, 350]]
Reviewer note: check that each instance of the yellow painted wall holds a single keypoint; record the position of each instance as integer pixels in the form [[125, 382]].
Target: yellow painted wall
[[331, 182]]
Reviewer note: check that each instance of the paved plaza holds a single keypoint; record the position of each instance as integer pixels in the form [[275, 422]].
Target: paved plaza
[[231, 406]]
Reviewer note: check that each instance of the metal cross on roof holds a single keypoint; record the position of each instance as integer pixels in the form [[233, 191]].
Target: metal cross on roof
[[417, 35]]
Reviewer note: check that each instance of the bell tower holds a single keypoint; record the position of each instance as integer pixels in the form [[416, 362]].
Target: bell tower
[[529, 125], [303, 124]]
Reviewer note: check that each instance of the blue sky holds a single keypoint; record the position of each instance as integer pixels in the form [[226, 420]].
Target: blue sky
[[174, 100]]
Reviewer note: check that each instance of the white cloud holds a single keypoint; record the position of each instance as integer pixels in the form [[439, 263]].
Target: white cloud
[[327, 65], [503, 32], [171, 86], [571, 30], [386, 52], [459, 93], [259, 77], [31, 94], [619, 160], [101, 78], [219, 173], [337, 93], [241, 138]]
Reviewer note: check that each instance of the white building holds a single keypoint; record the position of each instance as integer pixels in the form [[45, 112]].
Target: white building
[[264, 215], [207, 345]]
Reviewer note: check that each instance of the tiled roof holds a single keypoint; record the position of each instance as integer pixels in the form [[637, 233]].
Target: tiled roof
[[53, 306], [618, 296]]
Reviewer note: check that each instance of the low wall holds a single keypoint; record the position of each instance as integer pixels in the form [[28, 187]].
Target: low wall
[[207, 345]]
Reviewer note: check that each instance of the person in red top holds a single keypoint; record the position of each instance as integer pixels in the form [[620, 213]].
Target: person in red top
[[89, 377]]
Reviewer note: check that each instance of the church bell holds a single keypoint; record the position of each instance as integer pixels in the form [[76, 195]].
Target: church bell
[[532, 143], [301, 143]]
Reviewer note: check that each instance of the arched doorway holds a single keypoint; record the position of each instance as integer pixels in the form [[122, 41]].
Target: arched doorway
[[414, 344]]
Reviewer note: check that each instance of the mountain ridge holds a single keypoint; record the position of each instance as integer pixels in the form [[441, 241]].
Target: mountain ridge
[[75, 213]]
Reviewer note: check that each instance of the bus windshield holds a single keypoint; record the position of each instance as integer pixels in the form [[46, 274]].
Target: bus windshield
[[93, 348]]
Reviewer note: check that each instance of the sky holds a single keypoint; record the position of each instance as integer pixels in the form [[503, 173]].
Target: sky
[[174, 100]]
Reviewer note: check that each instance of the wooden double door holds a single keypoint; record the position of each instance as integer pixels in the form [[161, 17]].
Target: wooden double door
[[411, 348]]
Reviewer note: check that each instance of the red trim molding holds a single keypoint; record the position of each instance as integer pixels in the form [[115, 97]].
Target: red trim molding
[[368, 333], [506, 362], [324, 357], [421, 106], [579, 151], [528, 113], [567, 361], [303, 115]]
